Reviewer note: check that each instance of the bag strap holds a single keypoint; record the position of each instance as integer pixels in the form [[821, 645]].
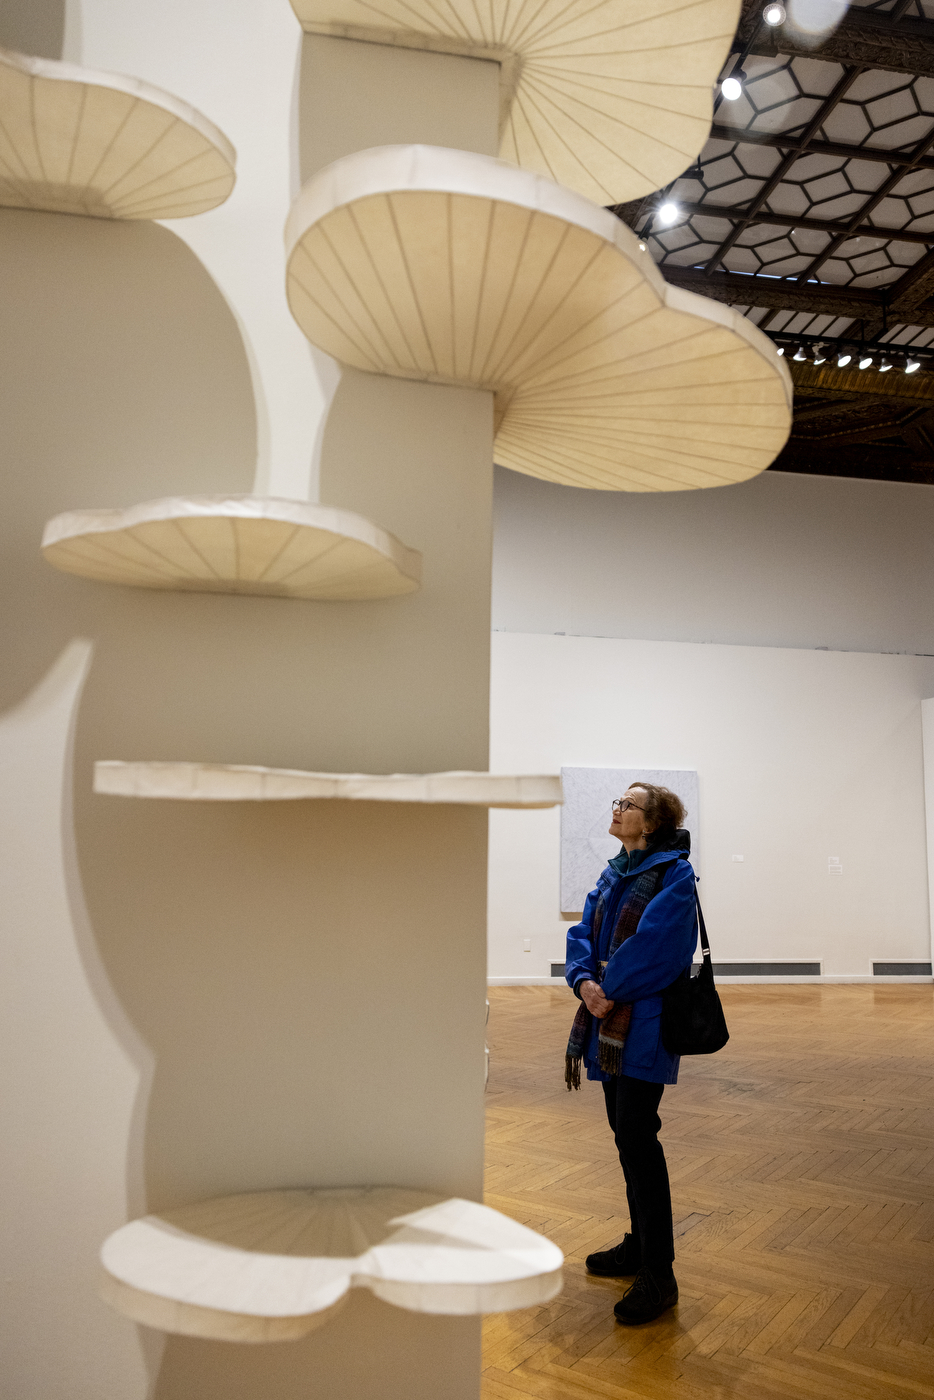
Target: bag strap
[[705, 946]]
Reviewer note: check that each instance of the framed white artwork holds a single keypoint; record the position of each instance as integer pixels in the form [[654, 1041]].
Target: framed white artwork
[[585, 817]]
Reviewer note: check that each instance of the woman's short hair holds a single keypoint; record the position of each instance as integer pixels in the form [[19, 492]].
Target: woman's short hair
[[663, 808]]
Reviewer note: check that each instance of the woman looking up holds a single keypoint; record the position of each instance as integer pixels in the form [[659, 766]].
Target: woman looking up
[[637, 935]]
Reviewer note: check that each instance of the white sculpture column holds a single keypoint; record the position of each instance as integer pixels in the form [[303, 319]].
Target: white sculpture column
[[391, 1055]]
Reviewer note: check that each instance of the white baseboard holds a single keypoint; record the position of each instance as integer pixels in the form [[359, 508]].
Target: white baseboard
[[828, 978], [526, 982]]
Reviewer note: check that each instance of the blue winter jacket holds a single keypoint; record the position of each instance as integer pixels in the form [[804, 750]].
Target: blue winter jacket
[[642, 967]]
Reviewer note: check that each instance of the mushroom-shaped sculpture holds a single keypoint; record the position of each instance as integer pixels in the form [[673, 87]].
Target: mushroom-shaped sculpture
[[232, 782], [235, 544], [456, 268], [271, 1266], [74, 141], [613, 98]]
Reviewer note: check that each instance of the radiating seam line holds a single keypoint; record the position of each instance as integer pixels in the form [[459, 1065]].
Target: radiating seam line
[[134, 103], [375, 270], [376, 357], [160, 179], [282, 548], [27, 175], [308, 563], [408, 273], [541, 329], [481, 291], [195, 550], [146, 154], [377, 362], [83, 547], [545, 358], [487, 374]]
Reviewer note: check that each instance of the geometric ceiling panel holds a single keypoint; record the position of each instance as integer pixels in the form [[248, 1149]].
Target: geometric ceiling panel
[[811, 206]]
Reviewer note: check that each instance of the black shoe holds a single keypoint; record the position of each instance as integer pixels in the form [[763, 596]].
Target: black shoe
[[648, 1297], [619, 1262]]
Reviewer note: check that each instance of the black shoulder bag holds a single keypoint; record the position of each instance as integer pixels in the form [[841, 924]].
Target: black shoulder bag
[[692, 1017]]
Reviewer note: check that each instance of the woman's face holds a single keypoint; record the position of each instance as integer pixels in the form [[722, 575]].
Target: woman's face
[[628, 826]]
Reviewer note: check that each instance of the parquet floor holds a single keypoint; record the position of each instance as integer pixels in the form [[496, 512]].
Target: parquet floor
[[802, 1167]]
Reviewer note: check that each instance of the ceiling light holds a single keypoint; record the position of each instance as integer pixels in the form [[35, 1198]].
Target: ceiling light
[[641, 246], [774, 14], [865, 361], [732, 87], [911, 365], [843, 358], [799, 353], [780, 350], [884, 364], [819, 357], [668, 212]]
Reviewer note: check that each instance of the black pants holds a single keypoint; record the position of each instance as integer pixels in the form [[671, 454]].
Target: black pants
[[632, 1108]]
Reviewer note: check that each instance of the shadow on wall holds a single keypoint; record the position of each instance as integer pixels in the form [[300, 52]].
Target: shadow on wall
[[36, 28]]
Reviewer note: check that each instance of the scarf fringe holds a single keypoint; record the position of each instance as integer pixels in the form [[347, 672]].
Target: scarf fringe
[[610, 1055], [572, 1071]]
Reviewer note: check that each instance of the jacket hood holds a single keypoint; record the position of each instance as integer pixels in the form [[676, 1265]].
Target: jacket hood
[[680, 841]]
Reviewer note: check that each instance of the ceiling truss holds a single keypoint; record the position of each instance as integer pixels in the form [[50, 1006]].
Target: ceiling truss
[[804, 238]]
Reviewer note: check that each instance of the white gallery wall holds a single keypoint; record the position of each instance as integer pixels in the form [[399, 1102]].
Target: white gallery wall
[[783, 560], [801, 756], [610, 615]]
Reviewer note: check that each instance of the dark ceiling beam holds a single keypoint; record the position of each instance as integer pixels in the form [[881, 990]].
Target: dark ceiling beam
[[865, 461], [908, 301], [821, 299], [836, 407], [911, 423], [842, 149], [918, 151], [841, 87], [846, 437], [867, 37], [826, 381], [737, 215]]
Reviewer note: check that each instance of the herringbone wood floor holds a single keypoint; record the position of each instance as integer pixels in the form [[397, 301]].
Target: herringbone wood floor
[[802, 1168]]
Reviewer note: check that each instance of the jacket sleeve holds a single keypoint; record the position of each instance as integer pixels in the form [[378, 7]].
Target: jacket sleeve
[[662, 946], [580, 958]]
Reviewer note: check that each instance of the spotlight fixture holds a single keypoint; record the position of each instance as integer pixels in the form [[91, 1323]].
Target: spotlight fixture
[[819, 357], [885, 363], [799, 353], [641, 246], [911, 364], [865, 361], [732, 87], [844, 357], [780, 350], [774, 14], [668, 212]]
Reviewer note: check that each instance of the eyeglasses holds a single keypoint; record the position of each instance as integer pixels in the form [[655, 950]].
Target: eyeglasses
[[623, 804]]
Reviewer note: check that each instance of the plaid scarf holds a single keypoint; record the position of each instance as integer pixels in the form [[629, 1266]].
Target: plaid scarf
[[613, 1028]]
